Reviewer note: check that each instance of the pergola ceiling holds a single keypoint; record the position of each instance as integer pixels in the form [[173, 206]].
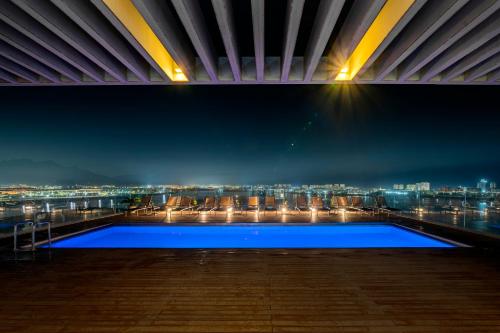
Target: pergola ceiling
[[126, 42]]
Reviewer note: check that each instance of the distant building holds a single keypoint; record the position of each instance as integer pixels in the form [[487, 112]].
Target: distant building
[[398, 186], [482, 185], [493, 186], [423, 186], [411, 187]]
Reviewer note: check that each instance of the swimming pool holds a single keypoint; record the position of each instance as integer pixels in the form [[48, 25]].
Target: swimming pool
[[252, 236]]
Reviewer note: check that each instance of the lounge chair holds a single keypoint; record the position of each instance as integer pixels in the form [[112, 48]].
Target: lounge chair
[[253, 205], [208, 205], [226, 204], [145, 205], [301, 204], [383, 206], [179, 204], [172, 202], [357, 203], [270, 204], [317, 205], [343, 204], [186, 204]]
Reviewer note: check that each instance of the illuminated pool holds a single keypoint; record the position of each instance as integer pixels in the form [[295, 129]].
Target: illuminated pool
[[252, 236]]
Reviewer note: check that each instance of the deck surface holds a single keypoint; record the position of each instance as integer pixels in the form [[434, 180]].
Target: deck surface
[[335, 290]]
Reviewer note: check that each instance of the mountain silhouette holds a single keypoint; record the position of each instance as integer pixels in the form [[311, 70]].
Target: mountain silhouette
[[26, 171]]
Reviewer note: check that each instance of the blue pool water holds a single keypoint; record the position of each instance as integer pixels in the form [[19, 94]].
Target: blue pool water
[[245, 236]]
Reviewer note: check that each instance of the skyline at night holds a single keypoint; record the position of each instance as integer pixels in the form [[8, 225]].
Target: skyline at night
[[364, 135]]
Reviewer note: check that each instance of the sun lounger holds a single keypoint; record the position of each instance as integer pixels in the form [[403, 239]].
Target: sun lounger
[[317, 205], [253, 205], [301, 204], [145, 205], [357, 204], [226, 204], [270, 204], [208, 205], [382, 204]]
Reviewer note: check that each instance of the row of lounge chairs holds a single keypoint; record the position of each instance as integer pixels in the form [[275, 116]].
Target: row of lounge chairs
[[226, 204]]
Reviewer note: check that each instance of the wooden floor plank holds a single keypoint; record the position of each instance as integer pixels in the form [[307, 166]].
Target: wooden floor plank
[[335, 290]]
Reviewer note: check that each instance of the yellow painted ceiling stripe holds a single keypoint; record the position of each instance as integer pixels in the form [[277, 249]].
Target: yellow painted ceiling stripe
[[130, 17], [385, 21]]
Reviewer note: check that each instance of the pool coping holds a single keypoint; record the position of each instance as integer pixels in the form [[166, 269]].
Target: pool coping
[[42, 245]]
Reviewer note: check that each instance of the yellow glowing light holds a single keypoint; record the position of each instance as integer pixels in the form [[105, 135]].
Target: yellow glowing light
[[130, 17], [385, 21]]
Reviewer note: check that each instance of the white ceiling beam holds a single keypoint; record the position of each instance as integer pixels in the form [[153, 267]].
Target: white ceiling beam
[[161, 20], [292, 24], [258, 25], [224, 15], [324, 22], [193, 21]]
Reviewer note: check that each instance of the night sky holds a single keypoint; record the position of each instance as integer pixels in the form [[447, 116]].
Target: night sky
[[365, 135]]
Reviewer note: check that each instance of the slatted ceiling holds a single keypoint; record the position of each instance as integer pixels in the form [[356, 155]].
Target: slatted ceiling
[[466, 45], [484, 68], [466, 19], [493, 76], [18, 70], [102, 31], [32, 29], [489, 49], [58, 23], [27, 61], [427, 21], [24, 44], [7, 77], [445, 56]]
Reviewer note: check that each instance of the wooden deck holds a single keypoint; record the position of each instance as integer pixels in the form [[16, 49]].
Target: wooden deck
[[450, 290], [334, 290]]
